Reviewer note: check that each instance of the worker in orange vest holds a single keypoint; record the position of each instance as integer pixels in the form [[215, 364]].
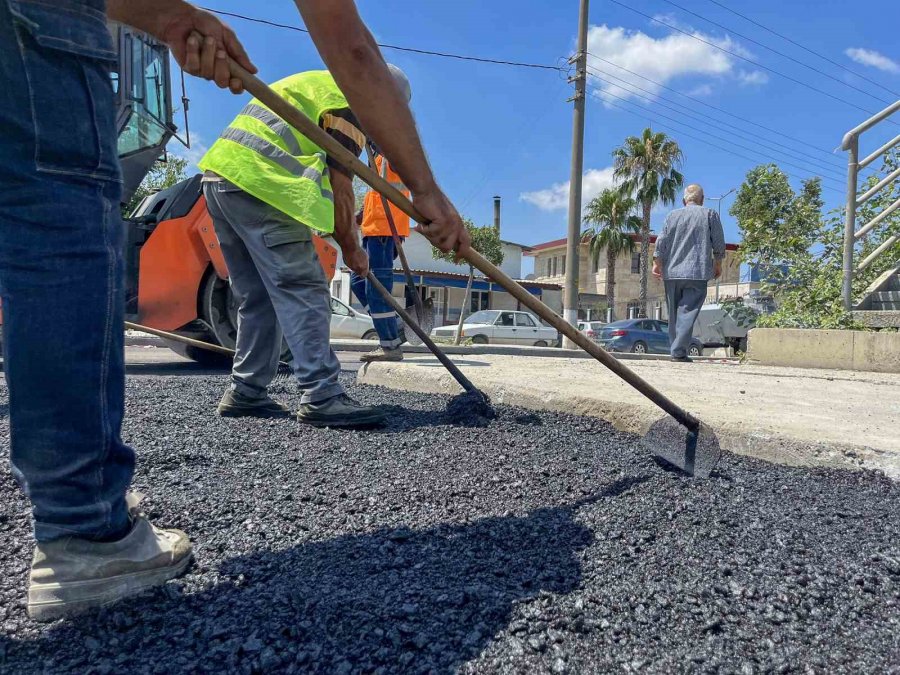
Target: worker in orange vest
[[378, 243]]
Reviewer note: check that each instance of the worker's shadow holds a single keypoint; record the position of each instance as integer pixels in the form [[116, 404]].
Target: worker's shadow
[[398, 599]]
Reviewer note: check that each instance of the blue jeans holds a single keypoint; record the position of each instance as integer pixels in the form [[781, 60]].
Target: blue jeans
[[381, 261], [61, 268], [684, 298]]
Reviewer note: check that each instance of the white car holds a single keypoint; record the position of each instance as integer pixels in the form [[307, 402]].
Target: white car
[[348, 324], [501, 327], [591, 329]]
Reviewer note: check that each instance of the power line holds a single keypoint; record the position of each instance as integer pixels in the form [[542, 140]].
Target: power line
[[705, 141], [744, 58], [713, 107], [775, 51], [803, 157], [726, 140], [412, 50], [803, 47]]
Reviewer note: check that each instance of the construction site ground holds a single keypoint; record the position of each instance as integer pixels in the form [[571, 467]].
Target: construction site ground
[[543, 542], [788, 415]]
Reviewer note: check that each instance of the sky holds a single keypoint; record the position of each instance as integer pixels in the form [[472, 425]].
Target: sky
[[503, 130]]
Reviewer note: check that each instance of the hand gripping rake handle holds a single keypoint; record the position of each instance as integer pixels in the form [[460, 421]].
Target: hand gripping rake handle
[[311, 130]]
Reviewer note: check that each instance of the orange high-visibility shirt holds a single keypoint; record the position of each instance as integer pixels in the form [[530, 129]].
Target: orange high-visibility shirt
[[374, 222]]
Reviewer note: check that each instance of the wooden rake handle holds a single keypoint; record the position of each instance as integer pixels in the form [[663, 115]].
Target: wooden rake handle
[[335, 150]]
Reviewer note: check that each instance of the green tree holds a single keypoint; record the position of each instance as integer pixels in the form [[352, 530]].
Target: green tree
[[163, 174], [613, 221], [800, 251], [647, 168], [485, 240]]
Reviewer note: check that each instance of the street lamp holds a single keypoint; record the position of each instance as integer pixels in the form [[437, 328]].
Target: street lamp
[[719, 201]]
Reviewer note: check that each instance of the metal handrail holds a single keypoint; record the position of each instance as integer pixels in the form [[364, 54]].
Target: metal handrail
[[850, 143]]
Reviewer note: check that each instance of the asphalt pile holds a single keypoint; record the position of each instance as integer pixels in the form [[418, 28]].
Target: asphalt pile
[[537, 543]]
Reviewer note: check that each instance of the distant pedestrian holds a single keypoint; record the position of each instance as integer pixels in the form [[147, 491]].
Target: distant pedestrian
[[378, 242], [688, 254]]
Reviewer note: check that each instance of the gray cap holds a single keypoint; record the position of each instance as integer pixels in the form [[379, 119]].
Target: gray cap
[[401, 80]]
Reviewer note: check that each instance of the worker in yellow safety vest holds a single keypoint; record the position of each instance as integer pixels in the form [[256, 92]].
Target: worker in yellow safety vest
[[378, 242], [267, 187]]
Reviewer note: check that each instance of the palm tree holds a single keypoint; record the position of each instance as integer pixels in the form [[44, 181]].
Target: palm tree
[[647, 170], [613, 226]]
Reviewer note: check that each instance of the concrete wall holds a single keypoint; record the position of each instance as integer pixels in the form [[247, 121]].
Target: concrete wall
[[838, 349]]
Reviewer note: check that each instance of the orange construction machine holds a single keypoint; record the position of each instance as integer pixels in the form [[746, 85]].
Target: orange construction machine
[[176, 278]]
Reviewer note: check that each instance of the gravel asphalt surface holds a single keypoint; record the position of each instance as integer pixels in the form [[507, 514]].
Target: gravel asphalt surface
[[539, 543]]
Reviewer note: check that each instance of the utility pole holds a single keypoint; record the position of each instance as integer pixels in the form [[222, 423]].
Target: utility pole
[[570, 306], [719, 200]]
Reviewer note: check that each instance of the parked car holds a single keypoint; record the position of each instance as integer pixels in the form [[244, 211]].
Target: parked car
[[501, 327], [347, 323], [641, 336], [725, 324], [591, 329]]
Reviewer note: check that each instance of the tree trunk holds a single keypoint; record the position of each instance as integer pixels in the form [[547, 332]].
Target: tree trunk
[[645, 256], [611, 283], [462, 310]]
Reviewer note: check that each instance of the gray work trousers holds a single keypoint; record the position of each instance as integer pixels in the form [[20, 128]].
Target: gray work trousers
[[280, 288], [684, 298]]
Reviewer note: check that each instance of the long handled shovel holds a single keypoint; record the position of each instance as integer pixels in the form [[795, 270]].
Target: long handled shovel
[[692, 447]]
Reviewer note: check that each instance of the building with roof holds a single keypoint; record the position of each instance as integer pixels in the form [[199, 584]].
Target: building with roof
[[550, 267], [445, 282]]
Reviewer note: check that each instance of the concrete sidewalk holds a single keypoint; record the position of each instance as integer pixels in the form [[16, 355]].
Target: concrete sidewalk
[[787, 415]]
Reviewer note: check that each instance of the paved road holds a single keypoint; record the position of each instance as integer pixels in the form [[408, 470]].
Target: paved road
[[163, 361], [541, 543]]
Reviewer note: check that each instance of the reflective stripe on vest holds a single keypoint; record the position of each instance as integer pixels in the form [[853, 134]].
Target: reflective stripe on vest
[[278, 156], [263, 156]]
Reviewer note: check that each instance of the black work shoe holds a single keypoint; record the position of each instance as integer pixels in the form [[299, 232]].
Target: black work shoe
[[234, 404], [682, 359], [340, 411]]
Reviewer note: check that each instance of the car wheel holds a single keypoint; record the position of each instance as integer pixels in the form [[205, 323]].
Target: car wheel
[[639, 347], [540, 343], [695, 350], [370, 335], [479, 340]]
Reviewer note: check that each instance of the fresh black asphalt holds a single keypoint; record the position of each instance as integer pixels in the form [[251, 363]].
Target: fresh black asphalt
[[538, 543]]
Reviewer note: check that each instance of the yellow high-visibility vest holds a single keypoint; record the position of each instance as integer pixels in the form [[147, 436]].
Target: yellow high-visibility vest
[[265, 157]]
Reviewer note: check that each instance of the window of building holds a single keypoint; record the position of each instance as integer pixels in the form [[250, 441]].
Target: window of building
[[595, 264], [633, 309], [563, 265], [480, 300], [635, 263]]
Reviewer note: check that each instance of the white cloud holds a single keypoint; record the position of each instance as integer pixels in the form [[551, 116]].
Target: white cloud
[[702, 90], [556, 197], [192, 155], [869, 57], [753, 77], [660, 59]]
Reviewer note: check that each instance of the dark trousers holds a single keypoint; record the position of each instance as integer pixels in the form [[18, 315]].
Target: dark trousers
[[684, 297], [381, 261]]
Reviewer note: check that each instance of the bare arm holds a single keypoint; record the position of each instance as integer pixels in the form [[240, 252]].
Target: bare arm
[[182, 27], [350, 52], [345, 224]]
